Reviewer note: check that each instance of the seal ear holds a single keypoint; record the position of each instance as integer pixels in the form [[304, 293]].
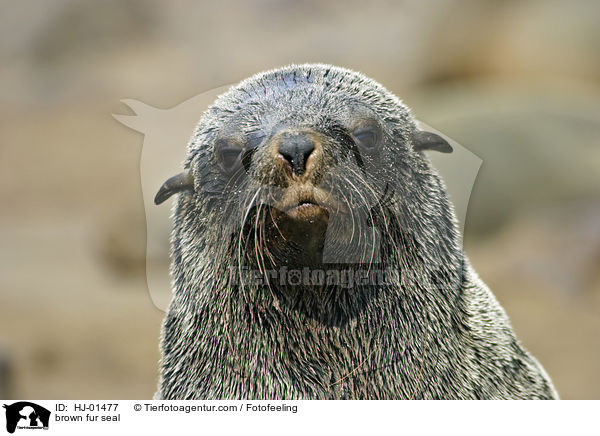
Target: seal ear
[[181, 182], [430, 141]]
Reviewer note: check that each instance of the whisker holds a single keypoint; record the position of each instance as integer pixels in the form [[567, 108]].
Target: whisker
[[372, 225], [264, 248], [229, 324]]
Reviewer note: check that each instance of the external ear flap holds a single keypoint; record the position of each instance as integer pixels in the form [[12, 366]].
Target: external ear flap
[[430, 141], [181, 182]]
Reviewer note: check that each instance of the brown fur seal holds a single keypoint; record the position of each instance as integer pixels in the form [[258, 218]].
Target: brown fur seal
[[315, 255]]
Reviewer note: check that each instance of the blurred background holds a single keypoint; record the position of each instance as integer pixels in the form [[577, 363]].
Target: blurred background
[[515, 82]]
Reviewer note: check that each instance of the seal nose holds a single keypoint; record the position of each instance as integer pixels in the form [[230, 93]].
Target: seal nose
[[295, 149]]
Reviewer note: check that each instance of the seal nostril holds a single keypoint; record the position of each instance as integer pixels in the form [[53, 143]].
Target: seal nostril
[[295, 149]]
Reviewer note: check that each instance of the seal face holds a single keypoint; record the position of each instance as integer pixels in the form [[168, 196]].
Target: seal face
[[299, 184]]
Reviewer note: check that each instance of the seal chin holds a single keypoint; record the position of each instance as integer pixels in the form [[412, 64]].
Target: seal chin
[[295, 232]]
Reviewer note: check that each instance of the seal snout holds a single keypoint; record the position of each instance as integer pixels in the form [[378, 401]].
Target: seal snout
[[297, 152], [296, 148]]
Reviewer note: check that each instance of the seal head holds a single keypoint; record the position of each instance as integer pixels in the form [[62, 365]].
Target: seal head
[[301, 157], [316, 255]]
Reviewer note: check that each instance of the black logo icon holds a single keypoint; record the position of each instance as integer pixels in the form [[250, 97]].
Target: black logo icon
[[26, 415]]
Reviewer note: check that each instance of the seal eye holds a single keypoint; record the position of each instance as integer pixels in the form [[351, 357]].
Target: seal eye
[[229, 154], [367, 137]]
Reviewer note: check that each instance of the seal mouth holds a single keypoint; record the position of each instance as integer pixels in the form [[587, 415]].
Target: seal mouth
[[305, 203], [306, 210]]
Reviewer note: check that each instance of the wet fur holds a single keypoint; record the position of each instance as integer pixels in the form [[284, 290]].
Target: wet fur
[[436, 332]]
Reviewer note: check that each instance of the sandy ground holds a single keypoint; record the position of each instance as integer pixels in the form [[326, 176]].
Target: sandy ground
[[71, 326]]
